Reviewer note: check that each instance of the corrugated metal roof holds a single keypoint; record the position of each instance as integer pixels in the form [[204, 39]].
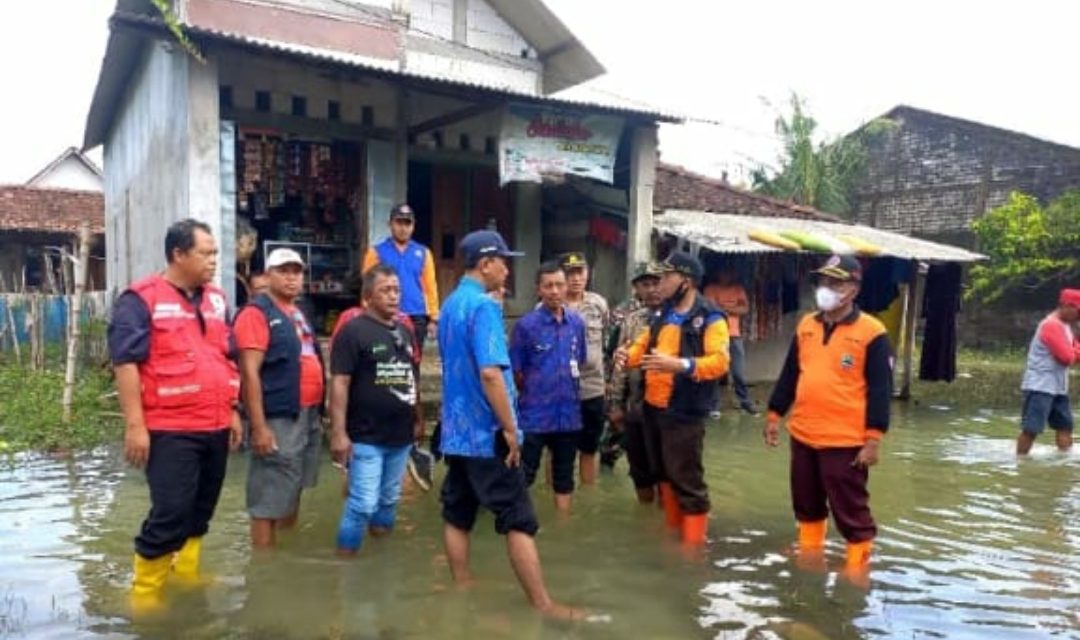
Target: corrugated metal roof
[[723, 233]]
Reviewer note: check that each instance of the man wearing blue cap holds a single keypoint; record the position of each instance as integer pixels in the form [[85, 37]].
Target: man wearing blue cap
[[480, 436]]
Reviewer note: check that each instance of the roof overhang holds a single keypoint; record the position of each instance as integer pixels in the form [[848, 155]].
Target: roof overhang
[[131, 32], [567, 62], [730, 234]]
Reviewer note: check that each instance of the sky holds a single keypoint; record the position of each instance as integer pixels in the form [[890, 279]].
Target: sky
[[735, 64]]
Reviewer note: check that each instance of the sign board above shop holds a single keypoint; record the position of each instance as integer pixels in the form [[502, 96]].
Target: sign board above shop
[[536, 141]]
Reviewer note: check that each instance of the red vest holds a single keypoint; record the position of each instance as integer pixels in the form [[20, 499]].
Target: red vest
[[188, 381]]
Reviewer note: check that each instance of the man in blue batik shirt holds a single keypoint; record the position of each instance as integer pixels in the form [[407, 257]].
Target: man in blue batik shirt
[[547, 351], [479, 428]]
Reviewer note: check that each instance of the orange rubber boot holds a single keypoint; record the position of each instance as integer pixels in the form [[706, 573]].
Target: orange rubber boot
[[673, 515], [694, 528], [812, 535], [858, 554]]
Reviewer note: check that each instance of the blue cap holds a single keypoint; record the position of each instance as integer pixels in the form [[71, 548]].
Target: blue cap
[[485, 244]]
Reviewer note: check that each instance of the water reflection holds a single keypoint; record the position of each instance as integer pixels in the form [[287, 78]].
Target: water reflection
[[973, 544]]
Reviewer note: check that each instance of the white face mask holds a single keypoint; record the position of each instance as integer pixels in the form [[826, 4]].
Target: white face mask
[[827, 299]]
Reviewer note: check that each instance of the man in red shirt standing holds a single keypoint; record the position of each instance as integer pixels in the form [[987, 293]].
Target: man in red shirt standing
[[169, 342], [282, 374]]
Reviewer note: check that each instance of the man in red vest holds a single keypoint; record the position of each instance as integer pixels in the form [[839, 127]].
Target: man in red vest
[[169, 339]]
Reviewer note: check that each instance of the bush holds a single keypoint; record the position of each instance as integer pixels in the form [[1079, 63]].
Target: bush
[[30, 415]]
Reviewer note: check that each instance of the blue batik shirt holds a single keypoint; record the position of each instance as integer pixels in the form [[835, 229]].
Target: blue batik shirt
[[471, 338], [548, 355]]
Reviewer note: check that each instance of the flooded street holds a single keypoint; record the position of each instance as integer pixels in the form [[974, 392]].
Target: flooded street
[[973, 544]]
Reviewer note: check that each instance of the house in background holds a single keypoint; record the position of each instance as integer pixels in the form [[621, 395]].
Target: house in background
[[71, 170], [39, 223], [934, 174], [310, 119]]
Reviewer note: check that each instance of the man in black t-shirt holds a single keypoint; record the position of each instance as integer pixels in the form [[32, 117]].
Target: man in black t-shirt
[[374, 415]]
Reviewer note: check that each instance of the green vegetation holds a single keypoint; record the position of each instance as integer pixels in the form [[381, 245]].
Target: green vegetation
[[30, 414], [1030, 246], [986, 378], [823, 174]]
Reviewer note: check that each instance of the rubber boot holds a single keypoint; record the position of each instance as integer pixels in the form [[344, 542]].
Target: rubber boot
[[812, 535], [857, 565], [185, 565], [858, 554], [810, 555], [694, 528], [672, 512], [146, 585]]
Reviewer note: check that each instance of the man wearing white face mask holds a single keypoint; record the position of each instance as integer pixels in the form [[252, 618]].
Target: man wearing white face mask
[[837, 383]]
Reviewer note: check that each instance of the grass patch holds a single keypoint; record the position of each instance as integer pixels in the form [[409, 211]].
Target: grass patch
[[30, 415], [985, 378]]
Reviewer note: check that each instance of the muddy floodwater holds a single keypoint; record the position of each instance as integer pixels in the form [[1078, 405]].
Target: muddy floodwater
[[973, 544]]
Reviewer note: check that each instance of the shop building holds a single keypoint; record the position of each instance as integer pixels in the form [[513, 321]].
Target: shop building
[[308, 120]]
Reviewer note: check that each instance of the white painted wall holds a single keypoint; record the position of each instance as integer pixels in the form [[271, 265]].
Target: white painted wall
[[435, 17], [488, 31], [71, 173], [248, 74]]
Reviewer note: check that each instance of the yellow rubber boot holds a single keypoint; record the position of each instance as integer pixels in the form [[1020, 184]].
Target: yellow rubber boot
[[150, 574], [185, 565], [812, 535]]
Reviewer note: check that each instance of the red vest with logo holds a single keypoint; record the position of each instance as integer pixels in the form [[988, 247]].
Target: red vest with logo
[[188, 381]]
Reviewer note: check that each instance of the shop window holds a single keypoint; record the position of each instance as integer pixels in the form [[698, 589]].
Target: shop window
[[465, 142], [491, 146], [262, 101], [299, 106], [367, 116], [333, 110], [225, 100]]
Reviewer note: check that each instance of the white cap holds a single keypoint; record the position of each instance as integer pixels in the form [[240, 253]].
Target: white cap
[[282, 257]]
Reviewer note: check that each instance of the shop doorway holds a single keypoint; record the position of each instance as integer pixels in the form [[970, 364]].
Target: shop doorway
[[450, 201]]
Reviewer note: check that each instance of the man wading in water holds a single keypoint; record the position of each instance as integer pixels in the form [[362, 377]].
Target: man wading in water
[[1046, 378], [479, 429]]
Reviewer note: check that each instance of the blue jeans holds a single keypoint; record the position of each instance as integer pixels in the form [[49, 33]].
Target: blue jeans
[[375, 475]]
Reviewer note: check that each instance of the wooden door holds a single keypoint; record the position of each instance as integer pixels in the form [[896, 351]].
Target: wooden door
[[448, 224]]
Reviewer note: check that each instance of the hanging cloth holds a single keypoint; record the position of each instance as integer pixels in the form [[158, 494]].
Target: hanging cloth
[[941, 303]]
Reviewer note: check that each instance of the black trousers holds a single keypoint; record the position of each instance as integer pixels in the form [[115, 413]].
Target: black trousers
[[642, 444], [185, 472], [420, 325], [682, 445]]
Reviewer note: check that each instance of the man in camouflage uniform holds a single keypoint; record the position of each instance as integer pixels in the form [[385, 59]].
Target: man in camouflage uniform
[[593, 309], [627, 387]]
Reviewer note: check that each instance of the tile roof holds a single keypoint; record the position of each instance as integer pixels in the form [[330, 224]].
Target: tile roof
[[50, 210], [678, 188]]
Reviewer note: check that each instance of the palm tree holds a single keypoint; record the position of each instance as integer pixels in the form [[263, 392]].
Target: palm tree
[[820, 175]]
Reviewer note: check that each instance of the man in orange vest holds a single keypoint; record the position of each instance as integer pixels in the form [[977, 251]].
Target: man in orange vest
[[169, 339], [837, 384]]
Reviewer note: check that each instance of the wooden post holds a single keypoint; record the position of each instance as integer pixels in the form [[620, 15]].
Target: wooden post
[[14, 333], [911, 322], [74, 315]]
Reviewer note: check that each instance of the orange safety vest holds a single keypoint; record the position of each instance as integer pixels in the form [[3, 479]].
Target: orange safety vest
[[831, 396]]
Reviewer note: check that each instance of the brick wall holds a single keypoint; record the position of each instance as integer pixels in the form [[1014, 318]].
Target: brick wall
[[935, 174]]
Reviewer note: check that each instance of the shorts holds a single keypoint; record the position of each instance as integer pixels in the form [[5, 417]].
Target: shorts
[[1042, 409], [274, 482], [471, 483], [592, 425], [563, 446]]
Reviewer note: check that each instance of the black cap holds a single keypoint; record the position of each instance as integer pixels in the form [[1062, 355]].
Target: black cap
[[841, 268], [485, 244], [573, 260], [402, 212], [684, 263]]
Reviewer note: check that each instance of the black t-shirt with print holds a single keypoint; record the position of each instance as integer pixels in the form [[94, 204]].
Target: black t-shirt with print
[[384, 381]]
